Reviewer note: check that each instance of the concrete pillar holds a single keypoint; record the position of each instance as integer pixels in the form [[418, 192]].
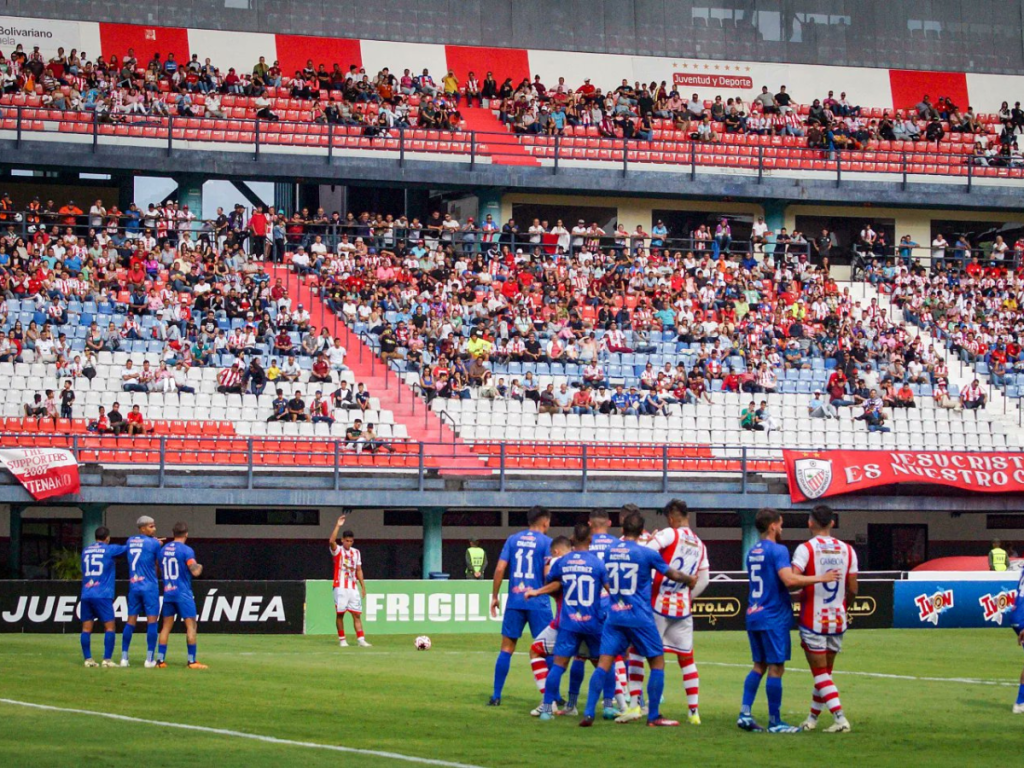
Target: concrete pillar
[[775, 218], [749, 531], [432, 540], [125, 191], [190, 193], [93, 516], [489, 202], [14, 551], [284, 197]]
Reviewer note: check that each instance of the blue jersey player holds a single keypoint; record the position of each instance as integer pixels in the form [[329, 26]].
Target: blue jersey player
[[98, 595], [581, 577], [143, 589], [600, 541], [769, 619], [178, 563], [527, 552], [630, 620], [1017, 622]]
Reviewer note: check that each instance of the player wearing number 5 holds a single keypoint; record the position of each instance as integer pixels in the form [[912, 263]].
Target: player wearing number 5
[[178, 563], [98, 595], [528, 552], [823, 612], [769, 618]]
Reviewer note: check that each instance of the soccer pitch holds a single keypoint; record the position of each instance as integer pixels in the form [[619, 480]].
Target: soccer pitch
[[939, 697]]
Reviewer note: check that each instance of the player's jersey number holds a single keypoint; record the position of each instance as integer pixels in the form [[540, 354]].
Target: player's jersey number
[[831, 591], [94, 564], [622, 578], [757, 584], [524, 564], [136, 554], [579, 590], [170, 568]]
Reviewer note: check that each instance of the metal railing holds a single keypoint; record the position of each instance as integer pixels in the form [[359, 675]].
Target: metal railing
[[743, 154]]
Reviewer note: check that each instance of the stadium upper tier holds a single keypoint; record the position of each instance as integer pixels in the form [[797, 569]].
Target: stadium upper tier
[[555, 340], [148, 97]]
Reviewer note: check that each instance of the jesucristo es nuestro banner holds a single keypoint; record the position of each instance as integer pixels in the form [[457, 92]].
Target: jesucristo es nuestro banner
[[817, 474], [44, 472]]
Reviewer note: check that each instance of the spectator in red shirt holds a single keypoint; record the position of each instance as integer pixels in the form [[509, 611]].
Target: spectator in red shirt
[[258, 226], [136, 424]]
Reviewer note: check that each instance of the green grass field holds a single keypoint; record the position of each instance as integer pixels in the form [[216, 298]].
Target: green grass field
[[432, 705]]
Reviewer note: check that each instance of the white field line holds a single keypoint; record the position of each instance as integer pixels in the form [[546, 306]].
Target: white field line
[[242, 735]]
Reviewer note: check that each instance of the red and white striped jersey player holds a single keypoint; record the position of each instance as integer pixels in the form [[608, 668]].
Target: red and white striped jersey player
[[823, 618], [349, 586], [683, 550]]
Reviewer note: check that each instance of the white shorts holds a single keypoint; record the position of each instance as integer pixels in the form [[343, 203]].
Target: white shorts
[[676, 634], [347, 600], [545, 641], [816, 643]]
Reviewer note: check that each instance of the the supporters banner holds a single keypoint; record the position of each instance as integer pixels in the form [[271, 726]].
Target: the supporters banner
[[817, 474], [44, 472]]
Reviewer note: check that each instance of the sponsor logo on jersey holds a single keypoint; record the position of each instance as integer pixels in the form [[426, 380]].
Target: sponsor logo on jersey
[[930, 607], [715, 608], [813, 476], [994, 607]]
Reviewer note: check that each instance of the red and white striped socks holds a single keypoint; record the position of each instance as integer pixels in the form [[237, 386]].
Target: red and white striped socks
[[636, 678], [825, 694], [539, 666], [691, 680]]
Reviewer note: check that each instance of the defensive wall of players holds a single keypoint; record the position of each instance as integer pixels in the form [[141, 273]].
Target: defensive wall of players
[[922, 601]]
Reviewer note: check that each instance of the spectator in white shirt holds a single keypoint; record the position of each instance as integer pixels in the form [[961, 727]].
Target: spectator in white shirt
[[973, 396], [336, 356]]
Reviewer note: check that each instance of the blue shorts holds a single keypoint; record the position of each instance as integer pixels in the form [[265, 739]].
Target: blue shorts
[[143, 602], [97, 609], [516, 619], [568, 643], [770, 646], [645, 640], [1017, 631], [182, 606]]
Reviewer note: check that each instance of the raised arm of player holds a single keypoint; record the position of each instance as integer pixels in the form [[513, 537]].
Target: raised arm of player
[[499, 576], [337, 529], [794, 580]]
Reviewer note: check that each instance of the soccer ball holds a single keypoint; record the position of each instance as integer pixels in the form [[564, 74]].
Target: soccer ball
[[422, 643]]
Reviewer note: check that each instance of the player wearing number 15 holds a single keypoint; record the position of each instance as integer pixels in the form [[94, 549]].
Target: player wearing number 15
[[178, 563], [528, 552], [769, 618], [630, 620], [98, 595]]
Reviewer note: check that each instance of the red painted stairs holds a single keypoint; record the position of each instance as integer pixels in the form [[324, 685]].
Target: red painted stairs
[[505, 147], [443, 449]]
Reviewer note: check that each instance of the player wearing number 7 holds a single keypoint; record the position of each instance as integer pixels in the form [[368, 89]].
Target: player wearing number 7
[[630, 620], [143, 589], [769, 618], [823, 612], [178, 563]]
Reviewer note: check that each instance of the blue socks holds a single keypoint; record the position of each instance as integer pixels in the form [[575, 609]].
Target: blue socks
[[576, 672], [86, 639], [655, 688], [501, 667], [126, 639], [191, 653], [610, 682], [108, 644], [552, 684], [595, 691], [750, 686], [1020, 694], [773, 690], [161, 652], [152, 635]]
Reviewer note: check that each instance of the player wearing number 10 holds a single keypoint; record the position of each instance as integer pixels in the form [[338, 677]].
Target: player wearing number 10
[[528, 552], [98, 594], [178, 563]]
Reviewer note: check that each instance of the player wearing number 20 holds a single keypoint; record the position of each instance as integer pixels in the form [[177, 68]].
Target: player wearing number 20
[[98, 594], [823, 612], [528, 552]]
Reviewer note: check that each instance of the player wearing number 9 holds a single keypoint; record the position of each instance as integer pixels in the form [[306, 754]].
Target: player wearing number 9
[[769, 617], [178, 563]]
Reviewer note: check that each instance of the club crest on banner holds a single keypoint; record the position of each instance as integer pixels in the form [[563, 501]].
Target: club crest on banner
[[813, 476]]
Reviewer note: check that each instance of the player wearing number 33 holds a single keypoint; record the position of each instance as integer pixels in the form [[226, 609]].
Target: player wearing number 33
[[528, 552], [769, 618]]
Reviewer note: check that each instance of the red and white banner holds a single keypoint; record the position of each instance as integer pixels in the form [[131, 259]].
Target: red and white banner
[[817, 474], [44, 472]]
